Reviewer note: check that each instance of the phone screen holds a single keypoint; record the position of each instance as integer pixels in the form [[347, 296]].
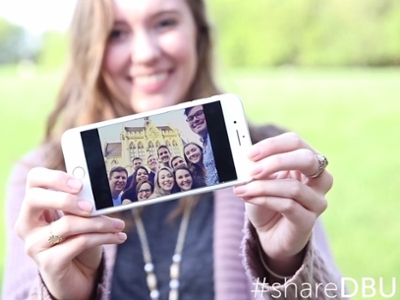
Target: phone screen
[[158, 155]]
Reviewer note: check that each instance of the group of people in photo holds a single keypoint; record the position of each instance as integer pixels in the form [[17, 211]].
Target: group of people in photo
[[163, 175]]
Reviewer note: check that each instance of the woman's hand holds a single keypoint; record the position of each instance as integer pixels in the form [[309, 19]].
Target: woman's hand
[[51, 207], [282, 202]]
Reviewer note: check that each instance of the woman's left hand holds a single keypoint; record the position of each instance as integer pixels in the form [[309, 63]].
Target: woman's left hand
[[282, 202]]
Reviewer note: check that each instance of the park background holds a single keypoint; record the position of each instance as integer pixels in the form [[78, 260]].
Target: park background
[[326, 69]]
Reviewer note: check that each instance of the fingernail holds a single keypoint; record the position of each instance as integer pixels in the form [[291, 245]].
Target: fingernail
[[240, 190], [118, 224], [256, 171], [121, 235], [84, 205], [254, 153], [74, 183]]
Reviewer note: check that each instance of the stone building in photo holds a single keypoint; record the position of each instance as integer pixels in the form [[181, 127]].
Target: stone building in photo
[[141, 142]]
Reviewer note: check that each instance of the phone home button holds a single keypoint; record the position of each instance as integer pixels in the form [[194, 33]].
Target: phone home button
[[78, 172]]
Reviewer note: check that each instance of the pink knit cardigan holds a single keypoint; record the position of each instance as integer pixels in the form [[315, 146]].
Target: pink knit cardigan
[[236, 259]]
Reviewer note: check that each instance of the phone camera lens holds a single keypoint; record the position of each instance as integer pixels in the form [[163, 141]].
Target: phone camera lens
[[234, 122]]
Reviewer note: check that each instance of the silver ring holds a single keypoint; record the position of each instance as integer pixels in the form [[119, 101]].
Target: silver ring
[[322, 163], [54, 239]]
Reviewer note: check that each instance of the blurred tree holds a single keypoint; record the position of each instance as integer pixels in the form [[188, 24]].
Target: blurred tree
[[16, 43], [307, 32], [54, 50], [266, 33]]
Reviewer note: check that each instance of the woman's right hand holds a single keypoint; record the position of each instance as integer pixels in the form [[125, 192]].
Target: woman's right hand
[[69, 269]]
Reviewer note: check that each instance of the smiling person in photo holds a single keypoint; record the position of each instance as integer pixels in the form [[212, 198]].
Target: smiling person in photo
[[144, 190], [177, 161], [117, 180], [164, 156], [198, 124], [163, 182], [140, 174], [184, 179], [194, 160]]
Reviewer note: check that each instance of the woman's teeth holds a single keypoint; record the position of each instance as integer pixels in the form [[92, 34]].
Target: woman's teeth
[[149, 79]]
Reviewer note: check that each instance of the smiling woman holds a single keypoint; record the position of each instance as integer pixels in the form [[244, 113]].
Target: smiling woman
[[145, 33], [128, 57]]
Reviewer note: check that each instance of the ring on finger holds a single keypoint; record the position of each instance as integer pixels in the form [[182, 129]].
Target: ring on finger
[[54, 239], [322, 163]]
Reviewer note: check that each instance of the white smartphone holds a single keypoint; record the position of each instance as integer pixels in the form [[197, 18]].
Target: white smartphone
[[190, 148]]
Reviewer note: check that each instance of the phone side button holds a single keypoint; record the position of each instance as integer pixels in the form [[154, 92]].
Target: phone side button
[[78, 173]]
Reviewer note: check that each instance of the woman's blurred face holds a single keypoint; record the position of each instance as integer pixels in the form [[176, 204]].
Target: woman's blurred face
[[165, 180], [184, 179], [151, 59], [142, 174], [193, 153], [144, 191]]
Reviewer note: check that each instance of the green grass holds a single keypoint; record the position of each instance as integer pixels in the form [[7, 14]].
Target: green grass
[[350, 115], [24, 104]]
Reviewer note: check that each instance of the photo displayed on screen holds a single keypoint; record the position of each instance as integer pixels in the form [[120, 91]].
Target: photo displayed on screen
[[158, 155]]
